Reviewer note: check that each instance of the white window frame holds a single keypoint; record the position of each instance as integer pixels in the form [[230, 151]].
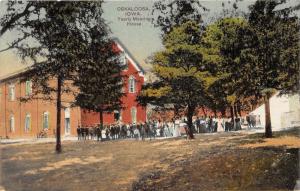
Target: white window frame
[[117, 112], [28, 87], [12, 123], [131, 85], [46, 114], [27, 128], [124, 60], [121, 112], [67, 111], [11, 92], [133, 112]]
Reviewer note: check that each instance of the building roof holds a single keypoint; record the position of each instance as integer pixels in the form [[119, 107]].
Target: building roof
[[121, 46], [129, 55], [15, 74]]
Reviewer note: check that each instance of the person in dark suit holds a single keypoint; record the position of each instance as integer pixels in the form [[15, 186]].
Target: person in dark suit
[[248, 121], [79, 132], [198, 125]]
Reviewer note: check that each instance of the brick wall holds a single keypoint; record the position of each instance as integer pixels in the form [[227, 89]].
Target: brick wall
[[35, 108], [129, 101]]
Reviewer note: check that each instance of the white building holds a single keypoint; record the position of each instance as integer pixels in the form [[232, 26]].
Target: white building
[[285, 111]]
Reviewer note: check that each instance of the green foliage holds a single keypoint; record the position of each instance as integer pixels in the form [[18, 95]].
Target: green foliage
[[53, 36], [171, 14], [222, 51], [179, 63], [99, 79], [184, 79], [67, 42], [273, 50]]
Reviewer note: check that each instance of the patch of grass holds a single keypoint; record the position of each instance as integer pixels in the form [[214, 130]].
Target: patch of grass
[[210, 162], [226, 166]]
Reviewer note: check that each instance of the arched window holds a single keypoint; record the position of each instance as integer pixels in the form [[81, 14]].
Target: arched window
[[131, 84], [133, 114], [27, 122], [46, 120], [12, 123]]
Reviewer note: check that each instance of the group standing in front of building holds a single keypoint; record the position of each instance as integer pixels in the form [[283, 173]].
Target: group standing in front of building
[[36, 117]]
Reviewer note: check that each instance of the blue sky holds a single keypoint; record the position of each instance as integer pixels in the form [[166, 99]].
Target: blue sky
[[141, 41]]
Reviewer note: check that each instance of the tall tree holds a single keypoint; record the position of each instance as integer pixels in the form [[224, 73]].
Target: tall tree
[[272, 52], [223, 48], [52, 36], [169, 14], [183, 79], [100, 79]]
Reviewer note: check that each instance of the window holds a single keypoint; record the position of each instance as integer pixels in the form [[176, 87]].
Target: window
[[121, 83], [116, 115], [67, 121], [11, 92], [28, 88], [12, 123], [46, 120], [131, 84], [133, 115], [120, 115], [27, 123], [123, 60]]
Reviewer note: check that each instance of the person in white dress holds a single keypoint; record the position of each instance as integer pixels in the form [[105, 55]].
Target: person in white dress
[[220, 121], [177, 128]]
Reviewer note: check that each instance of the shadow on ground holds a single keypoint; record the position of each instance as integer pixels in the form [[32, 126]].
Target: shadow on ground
[[210, 162]]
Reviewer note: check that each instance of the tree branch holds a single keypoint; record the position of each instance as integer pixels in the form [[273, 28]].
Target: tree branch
[[7, 25]]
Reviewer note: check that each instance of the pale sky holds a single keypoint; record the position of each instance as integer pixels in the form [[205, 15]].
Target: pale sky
[[141, 41]]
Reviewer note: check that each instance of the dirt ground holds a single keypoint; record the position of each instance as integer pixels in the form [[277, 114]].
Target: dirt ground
[[222, 161]]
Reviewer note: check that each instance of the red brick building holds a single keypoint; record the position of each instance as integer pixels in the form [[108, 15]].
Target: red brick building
[[20, 119], [27, 119], [132, 112]]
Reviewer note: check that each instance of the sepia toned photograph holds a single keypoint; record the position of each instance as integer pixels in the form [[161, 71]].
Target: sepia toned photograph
[[149, 95]]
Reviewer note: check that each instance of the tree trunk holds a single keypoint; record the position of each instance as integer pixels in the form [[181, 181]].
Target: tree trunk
[[101, 123], [58, 115], [190, 113], [239, 110], [223, 111], [268, 128], [235, 111], [204, 112], [232, 117], [215, 113], [101, 119]]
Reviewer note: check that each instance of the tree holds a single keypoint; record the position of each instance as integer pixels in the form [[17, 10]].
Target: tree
[[100, 79], [272, 52], [183, 79], [170, 14], [223, 42], [52, 36]]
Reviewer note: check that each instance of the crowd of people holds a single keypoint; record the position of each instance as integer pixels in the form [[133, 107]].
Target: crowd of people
[[116, 131], [253, 121], [157, 128], [213, 124]]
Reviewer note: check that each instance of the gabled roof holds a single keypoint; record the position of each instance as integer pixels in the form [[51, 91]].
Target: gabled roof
[[129, 56], [119, 44]]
